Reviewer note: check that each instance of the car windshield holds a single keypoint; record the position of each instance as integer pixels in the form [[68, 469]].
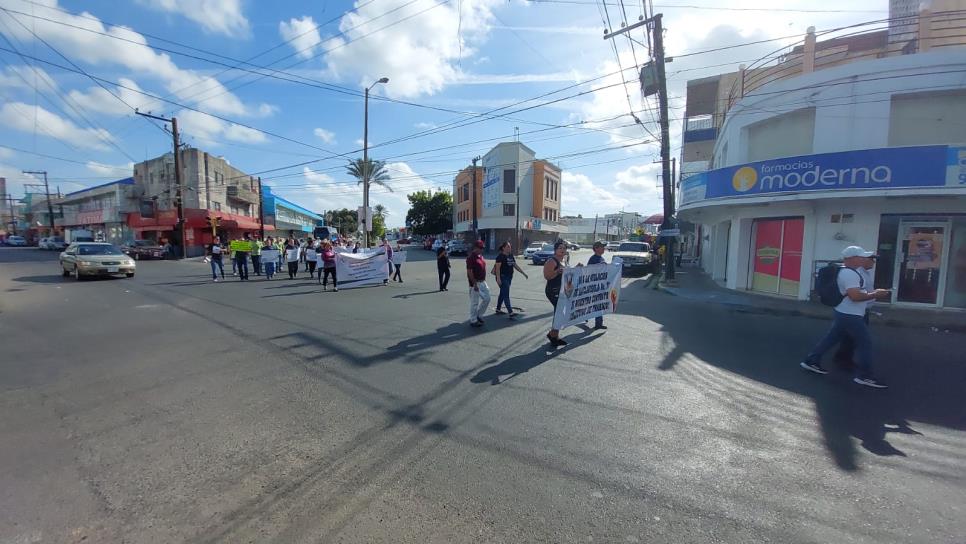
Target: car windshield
[[546, 247], [536, 245], [56, 239], [635, 247], [98, 250], [144, 243]]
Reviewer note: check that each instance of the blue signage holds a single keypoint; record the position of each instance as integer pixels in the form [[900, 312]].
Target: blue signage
[[889, 168]]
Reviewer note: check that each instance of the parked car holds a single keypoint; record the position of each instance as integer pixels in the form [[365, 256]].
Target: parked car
[[438, 243], [403, 241], [636, 256], [143, 249], [52, 243], [531, 249], [457, 247], [571, 246], [95, 259], [543, 255], [612, 246], [19, 241]]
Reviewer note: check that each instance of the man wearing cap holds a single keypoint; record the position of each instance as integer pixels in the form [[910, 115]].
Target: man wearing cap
[[598, 258], [479, 290], [850, 322]]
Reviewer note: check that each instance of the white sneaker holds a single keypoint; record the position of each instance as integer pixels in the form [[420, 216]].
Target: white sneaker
[[869, 382]]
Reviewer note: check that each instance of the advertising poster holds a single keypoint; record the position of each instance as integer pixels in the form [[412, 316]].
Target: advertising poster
[[587, 292], [493, 188], [925, 251], [359, 270]]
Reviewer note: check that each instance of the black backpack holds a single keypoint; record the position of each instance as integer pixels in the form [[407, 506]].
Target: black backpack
[[827, 284]]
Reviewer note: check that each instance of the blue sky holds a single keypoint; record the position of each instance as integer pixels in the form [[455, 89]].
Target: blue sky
[[447, 59]]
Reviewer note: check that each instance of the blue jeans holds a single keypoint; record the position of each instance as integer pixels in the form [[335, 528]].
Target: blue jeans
[[851, 327], [241, 263], [504, 296], [217, 264], [269, 269]]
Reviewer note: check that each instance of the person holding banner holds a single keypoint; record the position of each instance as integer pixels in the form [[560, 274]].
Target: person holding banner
[[479, 290], [388, 249], [598, 258], [503, 270], [257, 257], [327, 255], [553, 271], [214, 253], [242, 248], [268, 250], [292, 258]]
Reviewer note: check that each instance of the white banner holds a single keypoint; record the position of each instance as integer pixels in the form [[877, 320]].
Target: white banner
[[291, 255], [310, 255], [587, 292], [398, 257], [359, 270], [269, 255]]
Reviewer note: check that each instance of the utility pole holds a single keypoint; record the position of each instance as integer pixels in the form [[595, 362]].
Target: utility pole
[[261, 212], [177, 176], [365, 161], [476, 234], [667, 182], [595, 227], [50, 206], [13, 216]]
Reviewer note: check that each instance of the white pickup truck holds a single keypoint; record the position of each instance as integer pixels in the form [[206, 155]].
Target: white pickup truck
[[636, 256]]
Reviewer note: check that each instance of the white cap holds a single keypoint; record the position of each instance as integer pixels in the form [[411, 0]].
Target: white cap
[[856, 251]]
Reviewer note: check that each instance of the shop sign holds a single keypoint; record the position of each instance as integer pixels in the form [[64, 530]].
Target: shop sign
[[888, 168]]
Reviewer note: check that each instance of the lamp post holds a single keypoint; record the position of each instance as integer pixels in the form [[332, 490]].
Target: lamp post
[[365, 163]]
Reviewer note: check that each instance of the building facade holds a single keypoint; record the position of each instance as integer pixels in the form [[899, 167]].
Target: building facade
[[213, 190], [587, 230], [513, 190], [870, 152], [101, 210], [286, 218]]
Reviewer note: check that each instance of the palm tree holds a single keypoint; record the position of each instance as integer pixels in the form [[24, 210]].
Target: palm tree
[[379, 211], [378, 174]]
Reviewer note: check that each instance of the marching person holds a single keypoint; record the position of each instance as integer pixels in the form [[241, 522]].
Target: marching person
[[850, 319], [479, 290], [214, 253], [257, 256], [442, 268], [398, 266], [292, 258], [388, 248], [310, 257], [553, 272], [241, 257], [328, 266], [598, 258], [269, 263], [503, 270]]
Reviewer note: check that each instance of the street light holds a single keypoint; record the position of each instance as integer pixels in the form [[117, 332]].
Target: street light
[[365, 163]]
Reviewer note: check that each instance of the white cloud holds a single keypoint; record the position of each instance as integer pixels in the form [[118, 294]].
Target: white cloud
[[110, 170], [420, 53], [215, 16], [463, 78], [425, 126], [206, 127], [25, 77], [640, 180], [6, 153], [326, 136], [317, 179], [359, 142], [580, 195], [97, 99], [135, 54], [22, 117], [302, 33]]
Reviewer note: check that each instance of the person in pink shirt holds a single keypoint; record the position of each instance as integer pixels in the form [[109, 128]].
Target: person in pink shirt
[[328, 266]]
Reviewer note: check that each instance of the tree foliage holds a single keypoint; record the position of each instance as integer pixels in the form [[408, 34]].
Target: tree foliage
[[378, 174], [430, 214], [345, 220]]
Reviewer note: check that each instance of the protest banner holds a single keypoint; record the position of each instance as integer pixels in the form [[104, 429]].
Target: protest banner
[[310, 255], [398, 257], [291, 255], [587, 292], [240, 245], [359, 270], [269, 255]]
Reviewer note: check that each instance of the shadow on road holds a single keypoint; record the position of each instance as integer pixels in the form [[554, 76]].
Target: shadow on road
[[457, 331], [925, 371], [55, 278], [514, 366]]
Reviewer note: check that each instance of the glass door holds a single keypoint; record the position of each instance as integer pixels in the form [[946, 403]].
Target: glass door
[[920, 268]]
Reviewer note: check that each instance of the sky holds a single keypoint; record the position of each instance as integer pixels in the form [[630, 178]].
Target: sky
[[275, 87]]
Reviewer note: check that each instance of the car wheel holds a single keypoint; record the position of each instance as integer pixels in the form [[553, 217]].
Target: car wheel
[[64, 272], [77, 274]]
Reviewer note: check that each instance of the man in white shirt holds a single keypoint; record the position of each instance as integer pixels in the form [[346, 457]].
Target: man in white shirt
[[849, 322]]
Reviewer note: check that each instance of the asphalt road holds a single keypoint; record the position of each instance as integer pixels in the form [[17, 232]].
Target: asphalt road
[[166, 408]]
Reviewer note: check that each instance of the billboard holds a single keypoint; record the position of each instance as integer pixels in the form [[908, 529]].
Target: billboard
[[493, 188]]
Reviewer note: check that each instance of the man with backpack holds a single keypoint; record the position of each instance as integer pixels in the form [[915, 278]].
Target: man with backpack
[[848, 289]]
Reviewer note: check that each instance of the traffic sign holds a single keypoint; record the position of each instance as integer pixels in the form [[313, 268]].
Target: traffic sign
[[670, 232]]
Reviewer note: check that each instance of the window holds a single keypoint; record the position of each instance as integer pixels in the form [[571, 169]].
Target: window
[[509, 181], [219, 178], [927, 118], [508, 210], [787, 135], [216, 206], [465, 192]]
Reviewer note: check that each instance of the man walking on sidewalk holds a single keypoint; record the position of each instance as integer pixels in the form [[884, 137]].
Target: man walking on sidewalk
[[849, 321], [479, 290], [598, 258]]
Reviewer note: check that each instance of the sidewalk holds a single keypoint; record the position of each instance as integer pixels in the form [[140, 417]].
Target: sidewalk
[[692, 283]]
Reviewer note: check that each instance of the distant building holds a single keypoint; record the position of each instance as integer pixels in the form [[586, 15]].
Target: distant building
[[286, 218], [586, 230], [102, 210], [510, 173]]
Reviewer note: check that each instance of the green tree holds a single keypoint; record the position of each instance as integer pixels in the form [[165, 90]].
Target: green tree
[[345, 220], [378, 174], [378, 226], [430, 214]]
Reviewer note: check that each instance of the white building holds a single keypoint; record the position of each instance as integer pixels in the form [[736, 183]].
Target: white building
[[869, 153]]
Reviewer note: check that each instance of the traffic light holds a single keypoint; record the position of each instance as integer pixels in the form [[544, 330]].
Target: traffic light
[[215, 222]]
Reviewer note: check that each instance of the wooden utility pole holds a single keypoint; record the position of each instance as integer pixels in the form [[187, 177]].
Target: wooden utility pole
[[13, 216], [50, 206], [178, 176], [476, 234], [261, 211], [655, 26]]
